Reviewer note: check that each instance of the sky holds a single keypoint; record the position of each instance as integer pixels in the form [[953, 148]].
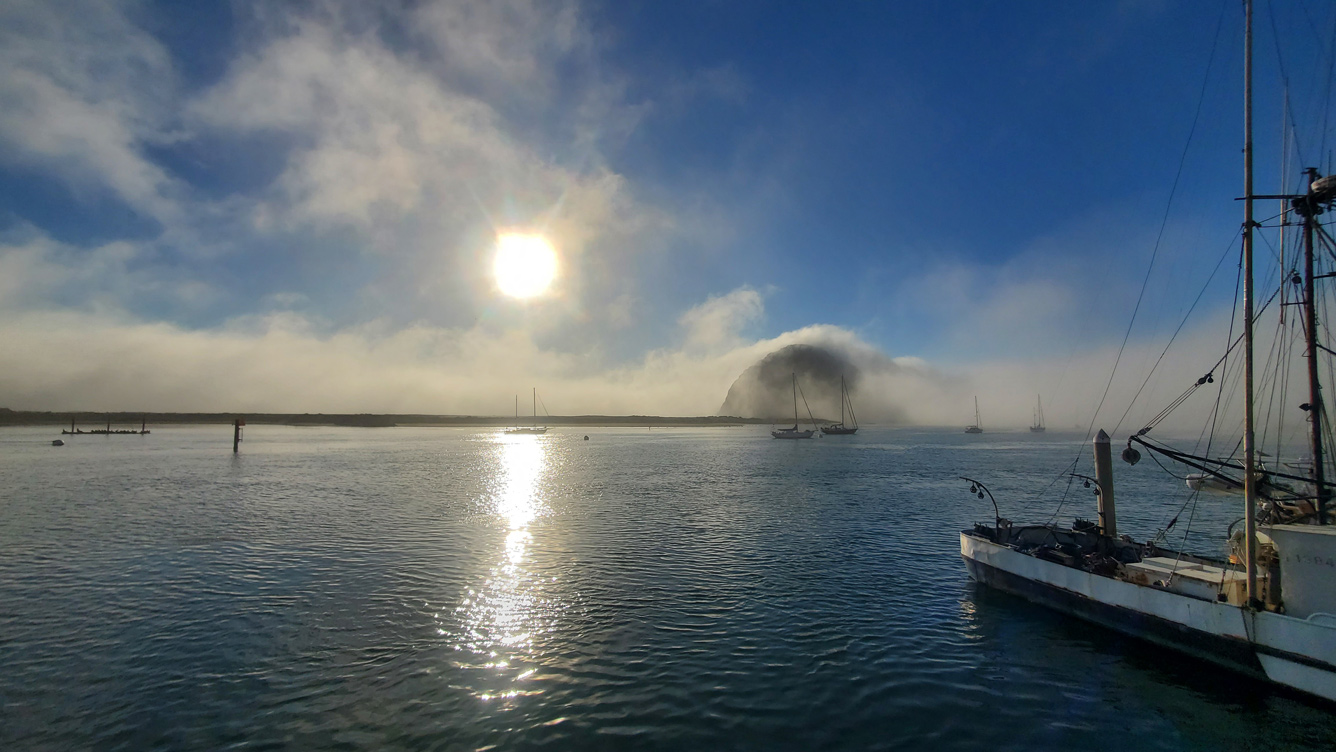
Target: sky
[[294, 207]]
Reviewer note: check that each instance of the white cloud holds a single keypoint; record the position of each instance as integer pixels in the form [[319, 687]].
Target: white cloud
[[717, 324], [38, 273], [419, 154], [506, 46], [82, 90]]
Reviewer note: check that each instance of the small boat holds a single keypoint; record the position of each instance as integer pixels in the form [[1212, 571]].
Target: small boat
[[977, 427], [57, 442], [1038, 426], [1208, 483], [794, 433], [535, 428], [840, 429]]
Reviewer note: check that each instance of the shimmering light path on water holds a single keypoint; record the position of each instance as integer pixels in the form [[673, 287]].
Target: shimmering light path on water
[[666, 589]]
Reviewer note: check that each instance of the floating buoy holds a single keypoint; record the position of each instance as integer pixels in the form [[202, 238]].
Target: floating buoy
[[586, 438]]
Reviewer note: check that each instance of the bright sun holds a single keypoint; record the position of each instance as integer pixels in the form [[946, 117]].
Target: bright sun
[[525, 264]]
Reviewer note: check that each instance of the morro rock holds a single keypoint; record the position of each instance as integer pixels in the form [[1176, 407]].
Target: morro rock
[[765, 390]]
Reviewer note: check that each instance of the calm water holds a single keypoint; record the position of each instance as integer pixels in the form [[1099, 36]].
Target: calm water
[[666, 589]]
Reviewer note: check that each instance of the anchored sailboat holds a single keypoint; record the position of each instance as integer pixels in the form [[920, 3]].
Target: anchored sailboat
[[1269, 609], [794, 433], [978, 424], [1038, 426], [840, 429], [535, 428]]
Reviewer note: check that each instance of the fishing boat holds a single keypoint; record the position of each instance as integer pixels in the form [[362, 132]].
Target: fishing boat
[[1038, 425], [533, 429], [1268, 608], [840, 429], [978, 424], [794, 433]]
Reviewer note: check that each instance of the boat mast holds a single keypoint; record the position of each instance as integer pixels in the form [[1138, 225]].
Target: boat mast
[[1249, 449], [843, 397], [1315, 407], [852, 415], [795, 401]]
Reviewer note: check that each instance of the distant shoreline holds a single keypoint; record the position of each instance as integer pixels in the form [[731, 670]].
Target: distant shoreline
[[91, 420]]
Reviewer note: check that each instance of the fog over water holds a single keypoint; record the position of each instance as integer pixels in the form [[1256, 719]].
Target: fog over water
[[287, 364]]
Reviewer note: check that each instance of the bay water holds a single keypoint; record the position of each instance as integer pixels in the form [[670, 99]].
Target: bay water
[[448, 588]]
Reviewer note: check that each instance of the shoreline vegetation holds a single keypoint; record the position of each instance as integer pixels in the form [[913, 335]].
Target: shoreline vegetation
[[93, 420]]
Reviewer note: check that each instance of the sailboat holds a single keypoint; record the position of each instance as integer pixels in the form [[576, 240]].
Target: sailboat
[[535, 428], [840, 429], [1267, 611], [1038, 426], [794, 433], [978, 424]]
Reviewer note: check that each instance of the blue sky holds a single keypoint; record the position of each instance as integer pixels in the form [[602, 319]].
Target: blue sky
[[239, 205]]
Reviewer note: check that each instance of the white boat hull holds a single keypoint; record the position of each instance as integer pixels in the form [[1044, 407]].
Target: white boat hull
[[1297, 653]]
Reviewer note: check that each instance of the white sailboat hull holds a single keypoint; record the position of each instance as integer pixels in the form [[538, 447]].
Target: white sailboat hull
[[1294, 652]]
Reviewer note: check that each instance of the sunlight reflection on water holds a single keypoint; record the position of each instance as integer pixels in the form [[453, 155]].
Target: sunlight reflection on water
[[464, 589], [501, 617]]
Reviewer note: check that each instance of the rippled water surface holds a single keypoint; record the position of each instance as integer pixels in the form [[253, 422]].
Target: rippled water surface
[[666, 589]]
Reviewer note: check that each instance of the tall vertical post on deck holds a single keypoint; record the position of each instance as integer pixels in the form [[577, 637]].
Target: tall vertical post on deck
[[1108, 521], [1249, 436], [1311, 207]]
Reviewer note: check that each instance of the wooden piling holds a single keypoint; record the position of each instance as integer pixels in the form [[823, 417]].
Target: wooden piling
[[236, 433], [1108, 522]]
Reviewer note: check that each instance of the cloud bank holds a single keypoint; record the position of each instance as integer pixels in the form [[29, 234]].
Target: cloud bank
[[306, 227]]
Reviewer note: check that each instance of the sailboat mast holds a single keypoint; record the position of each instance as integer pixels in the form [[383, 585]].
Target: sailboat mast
[[1249, 448], [1315, 406], [795, 400], [842, 398]]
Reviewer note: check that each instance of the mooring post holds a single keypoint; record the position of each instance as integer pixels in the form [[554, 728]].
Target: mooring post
[[236, 433], [1108, 522]]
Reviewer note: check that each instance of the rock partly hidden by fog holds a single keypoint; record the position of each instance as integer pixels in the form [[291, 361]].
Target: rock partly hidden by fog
[[765, 390]]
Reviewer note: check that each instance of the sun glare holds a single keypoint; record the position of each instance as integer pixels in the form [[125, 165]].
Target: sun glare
[[525, 264]]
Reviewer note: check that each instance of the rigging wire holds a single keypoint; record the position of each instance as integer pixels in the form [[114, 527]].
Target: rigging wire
[[1235, 342], [1164, 221], [1174, 336], [1285, 80], [1155, 250]]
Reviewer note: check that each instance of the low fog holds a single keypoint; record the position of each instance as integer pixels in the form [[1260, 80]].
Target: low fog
[[765, 389], [80, 362]]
